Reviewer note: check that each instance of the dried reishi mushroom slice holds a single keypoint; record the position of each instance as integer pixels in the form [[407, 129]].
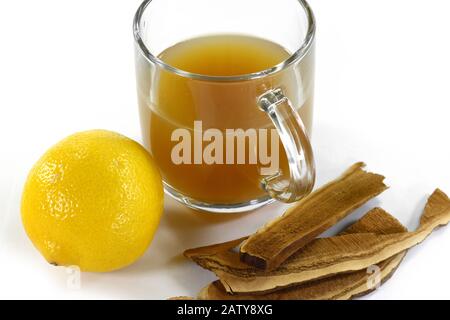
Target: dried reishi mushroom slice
[[367, 182], [182, 298], [341, 286], [322, 257], [328, 256], [338, 287], [278, 240]]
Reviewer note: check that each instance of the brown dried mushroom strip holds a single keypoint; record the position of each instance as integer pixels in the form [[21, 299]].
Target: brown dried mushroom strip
[[324, 257], [181, 298], [341, 286], [375, 221], [278, 240]]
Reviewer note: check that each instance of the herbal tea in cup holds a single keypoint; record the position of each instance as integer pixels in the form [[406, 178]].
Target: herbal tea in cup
[[227, 117]]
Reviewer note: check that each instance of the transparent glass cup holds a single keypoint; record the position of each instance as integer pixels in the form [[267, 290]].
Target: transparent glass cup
[[279, 99]]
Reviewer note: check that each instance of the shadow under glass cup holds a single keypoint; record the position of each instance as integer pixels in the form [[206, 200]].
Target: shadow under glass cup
[[197, 110]]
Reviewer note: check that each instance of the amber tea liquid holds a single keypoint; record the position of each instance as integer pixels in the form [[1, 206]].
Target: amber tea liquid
[[177, 102]]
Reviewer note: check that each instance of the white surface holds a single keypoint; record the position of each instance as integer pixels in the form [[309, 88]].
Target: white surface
[[382, 96]]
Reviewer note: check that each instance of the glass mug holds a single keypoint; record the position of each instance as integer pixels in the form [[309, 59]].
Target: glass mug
[[273, 105]]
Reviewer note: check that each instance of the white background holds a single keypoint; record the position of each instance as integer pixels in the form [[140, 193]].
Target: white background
[[383, 73]]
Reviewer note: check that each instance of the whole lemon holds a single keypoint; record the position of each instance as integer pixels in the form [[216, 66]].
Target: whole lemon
[[94, 200]]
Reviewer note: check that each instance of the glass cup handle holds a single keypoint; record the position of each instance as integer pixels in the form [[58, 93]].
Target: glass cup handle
[[298, 149]]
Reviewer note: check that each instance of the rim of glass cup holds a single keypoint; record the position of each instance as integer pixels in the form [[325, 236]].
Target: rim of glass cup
[[296, 56]]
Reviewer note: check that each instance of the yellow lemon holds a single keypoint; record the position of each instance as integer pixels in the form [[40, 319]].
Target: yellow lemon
[[94, 200]]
